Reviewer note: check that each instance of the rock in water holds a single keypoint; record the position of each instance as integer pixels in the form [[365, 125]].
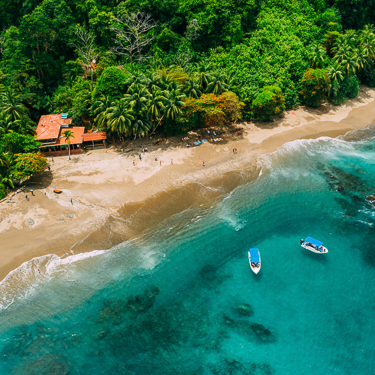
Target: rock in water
[[340, 188], [245, 309], [371, 199]]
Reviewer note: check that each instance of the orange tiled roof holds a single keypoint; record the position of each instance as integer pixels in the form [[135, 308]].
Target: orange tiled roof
[[77, 132], [94, 136], [49, 126]]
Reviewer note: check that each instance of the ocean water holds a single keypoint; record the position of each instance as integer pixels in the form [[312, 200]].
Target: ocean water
[[183, 300]]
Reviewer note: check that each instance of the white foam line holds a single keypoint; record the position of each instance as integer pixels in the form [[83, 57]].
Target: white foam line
[[21, 282]]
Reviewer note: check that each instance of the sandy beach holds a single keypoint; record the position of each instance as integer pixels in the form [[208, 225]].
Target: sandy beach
[[106, 199]]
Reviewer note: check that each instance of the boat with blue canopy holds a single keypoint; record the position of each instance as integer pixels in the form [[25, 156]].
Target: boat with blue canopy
[[254, 260], [313, 245]]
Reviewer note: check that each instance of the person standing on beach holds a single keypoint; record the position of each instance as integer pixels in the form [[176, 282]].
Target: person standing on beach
[[160, 162], [203, 164], [172, 161], [140, 157], [52, 159], [39, 272], [27, 198], [156, 158], [32, 192], [71, 200], [133, 163]]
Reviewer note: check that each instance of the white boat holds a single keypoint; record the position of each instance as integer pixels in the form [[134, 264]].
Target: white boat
[[254, 260], [313, 245]]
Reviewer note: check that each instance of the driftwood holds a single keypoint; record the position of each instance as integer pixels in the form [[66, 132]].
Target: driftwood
[[159, 141], [11, 195]]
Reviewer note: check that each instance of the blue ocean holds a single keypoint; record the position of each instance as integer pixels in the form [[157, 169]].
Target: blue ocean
[[182, 299]]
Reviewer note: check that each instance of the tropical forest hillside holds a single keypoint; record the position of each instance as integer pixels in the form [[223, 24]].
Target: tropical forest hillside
[[135, 67]]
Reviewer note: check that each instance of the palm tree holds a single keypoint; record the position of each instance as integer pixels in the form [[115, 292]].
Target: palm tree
[[141, 126], [7, 181], [99, 109], [316, 56], [24, 125], [155, 105], [164, 82], [152, 81], [173, 102], [350, 65], [204, 77], [139, 79], [6, 124], [11, 104], [336, 76], [218, 84], [67, 134], [350, 37], [5, 159], [120, 117], [191, 88], [137, 98], [342, 52], [367, 41]]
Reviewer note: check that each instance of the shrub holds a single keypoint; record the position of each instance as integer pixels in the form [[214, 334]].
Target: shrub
[[18, 143], [26, 165], [208, 110], [270, 102], [3, 191], [349, 88], [315, 84]]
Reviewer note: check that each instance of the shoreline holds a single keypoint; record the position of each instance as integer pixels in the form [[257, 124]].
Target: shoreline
[[114, 201]]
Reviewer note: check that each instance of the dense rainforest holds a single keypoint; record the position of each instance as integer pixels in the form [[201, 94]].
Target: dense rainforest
[[136, 66]]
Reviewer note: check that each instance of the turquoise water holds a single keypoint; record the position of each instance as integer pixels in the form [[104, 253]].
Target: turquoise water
[[167, 303]]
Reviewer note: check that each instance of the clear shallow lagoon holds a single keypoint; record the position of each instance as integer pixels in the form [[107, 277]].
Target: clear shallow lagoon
[[168, 303]]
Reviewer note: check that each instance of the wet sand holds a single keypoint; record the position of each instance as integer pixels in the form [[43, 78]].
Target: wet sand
[[114, 201]]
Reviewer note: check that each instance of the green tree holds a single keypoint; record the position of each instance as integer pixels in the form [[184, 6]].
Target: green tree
[[336, 76], [173, 102], [315, 85], [67, 134], [156, 105], [191, 88], [120, 117], [99, 109], [26, 165], [18, 143], [11, 104], [317, 55], [269, 103]]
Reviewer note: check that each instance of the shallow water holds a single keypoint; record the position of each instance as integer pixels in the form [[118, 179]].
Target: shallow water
[[168, 303]]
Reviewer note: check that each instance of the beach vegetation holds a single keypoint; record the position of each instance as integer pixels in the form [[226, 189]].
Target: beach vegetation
[[136, 67], [269, 103], [315, 84], [27, 164]]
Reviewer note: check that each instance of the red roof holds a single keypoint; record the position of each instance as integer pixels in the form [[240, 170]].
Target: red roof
[[77, 132], [94, 136], [49, 126]]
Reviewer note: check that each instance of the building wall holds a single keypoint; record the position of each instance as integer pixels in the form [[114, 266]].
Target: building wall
[[62, 152]]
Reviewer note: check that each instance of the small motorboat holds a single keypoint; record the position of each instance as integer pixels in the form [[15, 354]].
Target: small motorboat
[[57, 191], [313, 245], [254, 260]]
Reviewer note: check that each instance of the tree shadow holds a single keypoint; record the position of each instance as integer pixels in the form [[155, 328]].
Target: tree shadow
[[41, 181]]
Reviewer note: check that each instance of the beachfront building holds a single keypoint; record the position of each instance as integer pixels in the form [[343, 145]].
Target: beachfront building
[[50, 131]]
